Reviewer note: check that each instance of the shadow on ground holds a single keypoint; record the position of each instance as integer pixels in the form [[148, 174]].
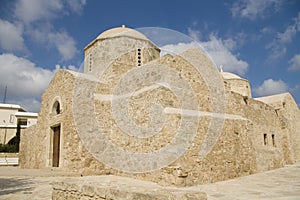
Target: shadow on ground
[[15, 185]]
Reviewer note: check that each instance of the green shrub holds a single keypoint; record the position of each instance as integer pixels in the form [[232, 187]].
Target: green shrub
[[8, 148]]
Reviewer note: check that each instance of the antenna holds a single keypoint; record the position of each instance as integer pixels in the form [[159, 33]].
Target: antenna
[[5, 91]]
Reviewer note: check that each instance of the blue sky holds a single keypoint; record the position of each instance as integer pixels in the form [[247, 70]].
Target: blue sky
[[257, 39]]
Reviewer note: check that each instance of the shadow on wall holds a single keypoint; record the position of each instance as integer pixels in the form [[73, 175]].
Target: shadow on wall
[[13, 145]]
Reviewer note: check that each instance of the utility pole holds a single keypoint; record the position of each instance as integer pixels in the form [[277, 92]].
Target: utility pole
[[5, 91]]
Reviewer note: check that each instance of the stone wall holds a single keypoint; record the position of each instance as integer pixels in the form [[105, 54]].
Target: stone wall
[[263, 120], [99, 56], [232, 156], [35, 147], [289, 115], [240, 86], [115, 188], [9, 155], [244, 144]]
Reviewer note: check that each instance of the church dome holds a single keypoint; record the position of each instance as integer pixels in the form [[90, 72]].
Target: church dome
[[236, 84], [121, 31], [228, 75]]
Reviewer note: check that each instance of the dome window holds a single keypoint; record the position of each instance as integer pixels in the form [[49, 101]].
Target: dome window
[[139, 57], [90, 62]]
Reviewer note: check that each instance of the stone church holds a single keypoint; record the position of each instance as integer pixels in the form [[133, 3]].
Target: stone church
[[170, 119]]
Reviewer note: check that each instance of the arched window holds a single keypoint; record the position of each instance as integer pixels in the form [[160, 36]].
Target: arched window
[[56, 108]]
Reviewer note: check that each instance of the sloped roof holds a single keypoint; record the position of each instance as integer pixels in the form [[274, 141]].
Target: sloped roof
[[228, 75], [278, 100], [273, 98]]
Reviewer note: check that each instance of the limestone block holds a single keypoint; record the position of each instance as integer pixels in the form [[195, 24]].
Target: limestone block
[[117, 188]]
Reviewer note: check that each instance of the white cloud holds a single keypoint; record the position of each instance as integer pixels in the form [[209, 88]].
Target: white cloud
[[25, 81], [253, 9], [278, 45], [36, 16], [64, 43], [11, 36], [30, 11], [267, 30], [39, 33], [295, 63], [178, 48], [270, 87], [195, 34], [76, 5], [61, 41], [69, 67], [290, 31], [277, 50], [33, 10], [219, 51]]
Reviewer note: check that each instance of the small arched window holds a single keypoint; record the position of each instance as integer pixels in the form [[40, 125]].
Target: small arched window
[[56, 108], [90, 62]]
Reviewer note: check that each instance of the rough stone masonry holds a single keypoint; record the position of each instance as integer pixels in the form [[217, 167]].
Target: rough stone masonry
[[172, 119]]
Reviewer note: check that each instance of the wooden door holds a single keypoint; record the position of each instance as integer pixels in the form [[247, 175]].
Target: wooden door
[[56, 146]]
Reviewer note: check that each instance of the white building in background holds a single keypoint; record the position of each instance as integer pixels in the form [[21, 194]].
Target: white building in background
[[10, 116]]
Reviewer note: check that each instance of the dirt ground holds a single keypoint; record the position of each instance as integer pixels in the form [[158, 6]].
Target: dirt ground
[[283, 183]]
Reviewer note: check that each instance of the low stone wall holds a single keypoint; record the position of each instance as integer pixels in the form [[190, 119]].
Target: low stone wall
[[115, 188], [9, 155], [9, 159]]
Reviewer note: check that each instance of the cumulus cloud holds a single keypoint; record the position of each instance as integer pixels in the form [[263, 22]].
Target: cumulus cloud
[[36, 17], [64, 43], [76, 5], [252, 9], [69, 67], [278, 45], [33, 10], [267, 30], [178, 48], [294, 63], [30, 11], [290, 31], [39, 33], [271, 87], [11, 36], [277, 50], [60, 40], [219, 51], [195, 34], [24, 80]]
